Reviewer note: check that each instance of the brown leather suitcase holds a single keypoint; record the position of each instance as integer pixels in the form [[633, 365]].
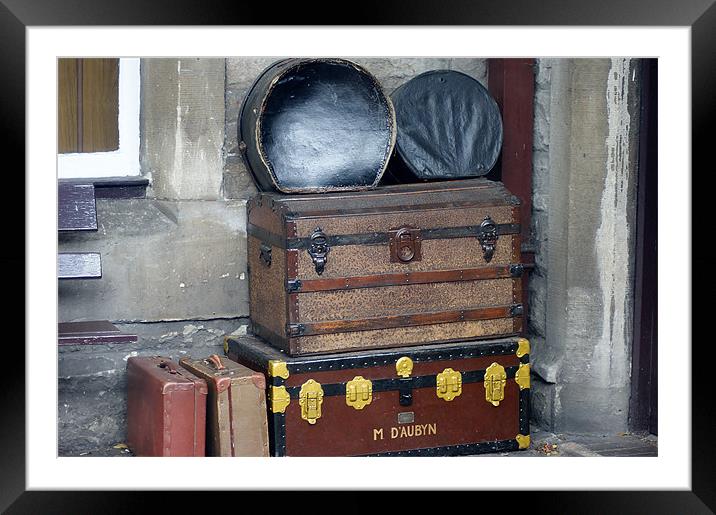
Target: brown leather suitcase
[[430, 400], [397, 266], [236, 408], [166, 408]]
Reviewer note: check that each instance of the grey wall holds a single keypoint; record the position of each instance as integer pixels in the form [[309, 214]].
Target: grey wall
[[586, 142]]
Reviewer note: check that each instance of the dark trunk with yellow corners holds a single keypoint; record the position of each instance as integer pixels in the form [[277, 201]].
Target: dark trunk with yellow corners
[[432, 400], [398, 266]]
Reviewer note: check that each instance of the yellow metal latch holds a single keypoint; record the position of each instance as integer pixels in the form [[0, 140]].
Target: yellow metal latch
[[404, 366], [359, 392], [523, 441], [449, 384], [522, 377], [277, 368], [279, 399], [310, 398], [495, 381]]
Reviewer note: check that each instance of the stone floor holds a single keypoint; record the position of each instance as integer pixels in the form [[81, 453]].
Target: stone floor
[[544, 444]]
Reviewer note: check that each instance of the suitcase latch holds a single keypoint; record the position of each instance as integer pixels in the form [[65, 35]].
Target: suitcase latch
[[279, 399], [495, 381], [405, 245], [310, 399], [487, 236], [359, 392], [319, 250], [449, 384]]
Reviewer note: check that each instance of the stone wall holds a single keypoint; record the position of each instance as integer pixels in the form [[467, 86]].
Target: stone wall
[[586, 144]]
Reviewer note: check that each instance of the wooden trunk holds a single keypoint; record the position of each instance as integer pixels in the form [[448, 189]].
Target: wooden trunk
[[398, 266], [236, 407], [432, 400]]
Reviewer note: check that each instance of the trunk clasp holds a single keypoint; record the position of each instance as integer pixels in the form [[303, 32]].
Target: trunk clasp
[[359, 392], [310, 399], [495, 381]]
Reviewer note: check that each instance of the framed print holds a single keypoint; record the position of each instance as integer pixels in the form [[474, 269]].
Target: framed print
[[38, 474]]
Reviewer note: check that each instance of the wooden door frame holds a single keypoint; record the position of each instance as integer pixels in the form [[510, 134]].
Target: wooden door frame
[[644, 391], [512, 84]]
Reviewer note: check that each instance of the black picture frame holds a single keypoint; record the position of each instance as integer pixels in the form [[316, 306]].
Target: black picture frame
[[17, 15]]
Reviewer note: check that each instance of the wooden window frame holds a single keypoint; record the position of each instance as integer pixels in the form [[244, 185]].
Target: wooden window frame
[[124, 161]]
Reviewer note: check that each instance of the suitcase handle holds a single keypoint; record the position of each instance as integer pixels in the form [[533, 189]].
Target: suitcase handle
[[169, 366], [216, 361]]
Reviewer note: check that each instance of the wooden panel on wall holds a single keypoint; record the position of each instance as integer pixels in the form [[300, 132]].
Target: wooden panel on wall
[[88, 105], [100, 98], [67, 129]]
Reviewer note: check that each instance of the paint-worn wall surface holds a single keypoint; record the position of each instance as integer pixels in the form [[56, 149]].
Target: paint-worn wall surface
[[586, 143]]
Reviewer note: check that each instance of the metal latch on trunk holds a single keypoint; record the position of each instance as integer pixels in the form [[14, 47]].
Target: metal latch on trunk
[[359, 392], [310, 399], [449, 384], [319, 250], [487, 236], [405, 245], [404, 367], [495, 381]]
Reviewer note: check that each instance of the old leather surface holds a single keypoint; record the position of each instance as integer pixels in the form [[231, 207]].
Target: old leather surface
[[448, 126], [317, 125], [236, 414], [166, 412]]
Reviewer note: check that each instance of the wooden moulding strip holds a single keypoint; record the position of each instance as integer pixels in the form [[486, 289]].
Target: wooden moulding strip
[[388, 322], [439, 276]]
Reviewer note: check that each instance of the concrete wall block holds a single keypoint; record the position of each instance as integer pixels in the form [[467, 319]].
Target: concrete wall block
[[540, 180], [183, 127], [540, 238], [542, 400], [589, 243], [584, 408], [537, 311], [161, 261]]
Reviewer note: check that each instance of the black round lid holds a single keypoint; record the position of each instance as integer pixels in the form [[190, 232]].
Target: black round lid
[[327, 124], [448, 125]]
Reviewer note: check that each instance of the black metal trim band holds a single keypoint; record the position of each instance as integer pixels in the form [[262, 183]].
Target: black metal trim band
[[457, 450], [277, 431], [395, 383], [525, 411], [373, 238], [373, 358]]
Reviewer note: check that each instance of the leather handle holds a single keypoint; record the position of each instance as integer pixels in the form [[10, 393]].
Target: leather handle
[[216, 361], [168, 366]]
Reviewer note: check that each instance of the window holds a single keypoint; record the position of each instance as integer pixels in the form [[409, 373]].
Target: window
[[98, 118]]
